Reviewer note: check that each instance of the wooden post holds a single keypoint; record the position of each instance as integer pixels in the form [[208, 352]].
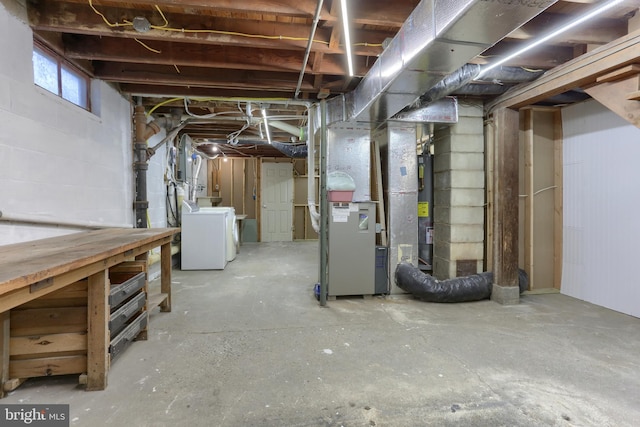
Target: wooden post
[[5, 335], [529, 201], [98, 331], [505, 208], [165, 276]]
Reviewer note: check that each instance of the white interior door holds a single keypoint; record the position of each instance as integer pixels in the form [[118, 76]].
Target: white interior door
[[277, 202]]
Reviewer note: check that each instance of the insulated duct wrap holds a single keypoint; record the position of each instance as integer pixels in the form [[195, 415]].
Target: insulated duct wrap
[[460, 289], [298, 151]]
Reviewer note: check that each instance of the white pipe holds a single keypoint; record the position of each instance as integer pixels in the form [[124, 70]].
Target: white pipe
[[197, 164], [293, 130], [311, 179], [40, 220]]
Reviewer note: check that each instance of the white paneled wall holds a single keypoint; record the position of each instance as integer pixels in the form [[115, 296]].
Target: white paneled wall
[[58, 161], [601, 208]]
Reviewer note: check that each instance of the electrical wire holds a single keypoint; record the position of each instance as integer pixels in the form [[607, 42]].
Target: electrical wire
[[147, 47], [166, 27], [106, 21], [155, 107]]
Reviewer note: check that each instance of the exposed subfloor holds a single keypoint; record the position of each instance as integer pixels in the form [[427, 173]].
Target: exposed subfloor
[[250, 346]]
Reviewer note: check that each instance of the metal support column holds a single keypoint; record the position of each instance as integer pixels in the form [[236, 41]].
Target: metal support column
[[324, 208]]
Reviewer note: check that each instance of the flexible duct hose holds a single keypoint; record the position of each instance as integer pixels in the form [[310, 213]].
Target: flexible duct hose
[[460, 289]]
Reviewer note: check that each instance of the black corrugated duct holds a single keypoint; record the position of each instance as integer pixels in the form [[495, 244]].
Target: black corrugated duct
[[298, 151], [498, 81], [460, 289]]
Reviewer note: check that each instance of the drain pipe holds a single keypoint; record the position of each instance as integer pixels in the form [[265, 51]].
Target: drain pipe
[[144, 131], [140, 165], [316, 19]]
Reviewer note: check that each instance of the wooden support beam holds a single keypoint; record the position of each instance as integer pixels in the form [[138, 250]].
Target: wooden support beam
[[191, 76], [505, 207], [529, 200], [98, 331], [579, 72], [5, 336], [618, 96], [165, 278], [195, 55], [51, 15]]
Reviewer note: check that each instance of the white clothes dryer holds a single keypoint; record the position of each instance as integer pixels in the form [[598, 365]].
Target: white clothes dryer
[[232, 232]]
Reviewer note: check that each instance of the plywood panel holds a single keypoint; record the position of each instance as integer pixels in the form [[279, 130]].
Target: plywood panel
[[543, 199], [238, 185], [601, 203], [250, 188]]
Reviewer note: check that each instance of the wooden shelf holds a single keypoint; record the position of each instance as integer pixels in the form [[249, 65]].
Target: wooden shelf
[[155, 300]]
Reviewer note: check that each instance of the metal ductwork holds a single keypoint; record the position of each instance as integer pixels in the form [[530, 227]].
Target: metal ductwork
[[439, 37]]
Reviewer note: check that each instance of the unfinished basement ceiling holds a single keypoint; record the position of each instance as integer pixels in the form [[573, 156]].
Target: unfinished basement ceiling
[[218, 52]]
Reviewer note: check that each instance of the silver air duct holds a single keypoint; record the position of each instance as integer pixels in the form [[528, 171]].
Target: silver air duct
[[439, 37]]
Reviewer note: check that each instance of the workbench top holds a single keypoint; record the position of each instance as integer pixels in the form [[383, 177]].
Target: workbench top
[[22, 264]]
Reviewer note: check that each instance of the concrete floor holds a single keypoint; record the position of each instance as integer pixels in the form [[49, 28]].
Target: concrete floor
[[250, 346]]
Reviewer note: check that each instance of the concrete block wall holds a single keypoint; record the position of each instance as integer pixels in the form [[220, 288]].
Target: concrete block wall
[[459, 192], [60, 163]]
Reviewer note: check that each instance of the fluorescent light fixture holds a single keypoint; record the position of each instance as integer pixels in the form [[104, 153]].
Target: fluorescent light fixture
[[347, 37], [592, 14], [266, 125]]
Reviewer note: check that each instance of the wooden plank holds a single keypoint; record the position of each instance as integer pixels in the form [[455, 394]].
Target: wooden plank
[[37, 344], [13, 384], [621, 73], [48, 366], [129, 267], [23, 295], [22, 264], [529, 239], [155, 300], [74, 295], [5, 335], [37, 321], [97, 362], [576, 73], [377, 168], [165, 276], [633, 96], [558, 199], [614, 95], [47, 354]]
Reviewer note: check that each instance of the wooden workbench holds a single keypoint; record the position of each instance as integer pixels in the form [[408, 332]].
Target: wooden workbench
[[31, 270]]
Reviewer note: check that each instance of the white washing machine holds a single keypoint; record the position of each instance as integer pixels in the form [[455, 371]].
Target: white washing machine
[[232, 234], [204, 238]]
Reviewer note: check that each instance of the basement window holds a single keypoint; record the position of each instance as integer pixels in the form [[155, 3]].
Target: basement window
[[53, 73]]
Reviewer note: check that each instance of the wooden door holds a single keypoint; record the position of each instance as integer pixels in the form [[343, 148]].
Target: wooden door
[[277, 202]]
